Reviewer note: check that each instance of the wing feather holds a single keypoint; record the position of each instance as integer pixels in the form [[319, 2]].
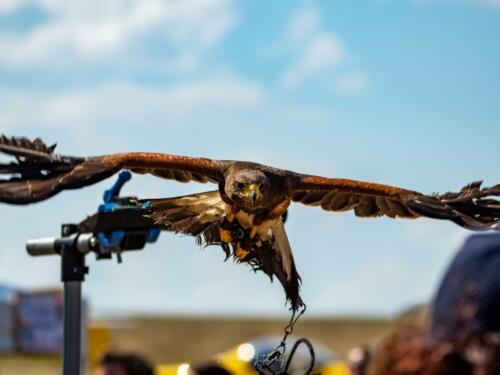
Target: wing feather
[[37, 173], [202, 214], [189, 214], [473, 207]]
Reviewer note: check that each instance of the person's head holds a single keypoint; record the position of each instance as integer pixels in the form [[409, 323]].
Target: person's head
[[208, 369], [463, 334], [468, 299], [407, 351], [358, 359], [124, 364]]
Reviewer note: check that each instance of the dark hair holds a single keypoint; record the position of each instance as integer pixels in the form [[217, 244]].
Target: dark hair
[[407, 351], [132, 363], [210, 369]]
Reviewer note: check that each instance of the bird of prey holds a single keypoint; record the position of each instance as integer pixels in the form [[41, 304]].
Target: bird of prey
[[245, 214]]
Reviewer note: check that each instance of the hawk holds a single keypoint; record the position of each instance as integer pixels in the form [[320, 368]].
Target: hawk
[[245, 214]]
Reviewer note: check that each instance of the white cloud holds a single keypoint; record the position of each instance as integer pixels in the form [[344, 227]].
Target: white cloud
[[8, 6], [86, 31], [322, 52], [316, 50], [304, 24], [351, 84], [126, 103]]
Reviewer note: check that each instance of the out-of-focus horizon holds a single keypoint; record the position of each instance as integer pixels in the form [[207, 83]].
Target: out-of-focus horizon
[[404, 93]]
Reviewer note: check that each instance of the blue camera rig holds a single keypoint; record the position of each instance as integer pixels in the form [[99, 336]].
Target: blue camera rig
[[117, 240]]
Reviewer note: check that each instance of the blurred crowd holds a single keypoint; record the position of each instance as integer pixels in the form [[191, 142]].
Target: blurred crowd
[[460, 334], [114, 363]]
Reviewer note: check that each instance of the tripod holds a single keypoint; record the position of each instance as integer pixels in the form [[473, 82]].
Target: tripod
[[72, 247], [115, 228]]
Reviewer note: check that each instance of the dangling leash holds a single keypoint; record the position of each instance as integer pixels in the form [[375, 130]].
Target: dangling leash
[[263, 367]]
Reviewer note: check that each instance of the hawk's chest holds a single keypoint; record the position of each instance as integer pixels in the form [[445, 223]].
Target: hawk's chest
[[246, 221]]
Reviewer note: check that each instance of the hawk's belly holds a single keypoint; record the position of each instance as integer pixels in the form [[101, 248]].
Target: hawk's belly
[[264, 231]]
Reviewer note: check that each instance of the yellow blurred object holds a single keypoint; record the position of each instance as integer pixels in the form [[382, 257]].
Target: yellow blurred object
[[335, 368], [237, 361], [231, 360], [173, 369], [99, 343]]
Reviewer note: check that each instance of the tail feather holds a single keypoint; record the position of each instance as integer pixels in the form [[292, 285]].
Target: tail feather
[[289, 277]]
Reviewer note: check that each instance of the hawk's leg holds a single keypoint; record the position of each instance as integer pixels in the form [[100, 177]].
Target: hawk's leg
[[225, 235], [230, 217], [231, 211], [253, 232], [274, 214], [230, 232]]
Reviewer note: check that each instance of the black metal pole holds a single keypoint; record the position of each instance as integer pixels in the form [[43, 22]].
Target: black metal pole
[[73, 272], [72, 327]]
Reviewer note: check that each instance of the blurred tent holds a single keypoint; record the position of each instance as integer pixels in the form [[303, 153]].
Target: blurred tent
[[7, 317]]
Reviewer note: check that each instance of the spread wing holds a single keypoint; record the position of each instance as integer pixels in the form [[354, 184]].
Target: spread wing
[[37, 173], [473, 207], [202, 214], [196, 214]]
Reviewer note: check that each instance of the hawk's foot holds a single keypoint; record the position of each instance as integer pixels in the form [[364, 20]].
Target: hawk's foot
[[225, 235], [240, 252]]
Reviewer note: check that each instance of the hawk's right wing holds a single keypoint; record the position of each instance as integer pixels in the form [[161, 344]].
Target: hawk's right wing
[[37, 173]]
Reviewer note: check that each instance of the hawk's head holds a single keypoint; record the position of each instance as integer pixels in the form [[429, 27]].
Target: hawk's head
[[248, 188]]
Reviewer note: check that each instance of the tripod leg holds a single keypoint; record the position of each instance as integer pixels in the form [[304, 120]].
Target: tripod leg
[[72, 327]]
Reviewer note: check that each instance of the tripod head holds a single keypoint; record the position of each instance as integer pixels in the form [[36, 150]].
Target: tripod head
[[117, 226]]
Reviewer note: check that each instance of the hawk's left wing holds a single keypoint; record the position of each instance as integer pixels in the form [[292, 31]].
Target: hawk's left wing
[[473, 207]]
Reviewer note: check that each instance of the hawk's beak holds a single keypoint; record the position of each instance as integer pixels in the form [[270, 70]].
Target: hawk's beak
[[252, 191], [253, 195]]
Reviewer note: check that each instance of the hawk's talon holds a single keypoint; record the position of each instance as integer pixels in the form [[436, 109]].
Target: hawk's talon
[[230, 216], [226, 249], [240, 252]]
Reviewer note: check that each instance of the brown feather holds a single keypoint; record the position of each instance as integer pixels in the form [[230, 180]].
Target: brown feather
[[202, 215], [38, 173], [472, 207]]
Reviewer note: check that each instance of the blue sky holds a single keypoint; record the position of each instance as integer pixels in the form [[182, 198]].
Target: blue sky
[[401, 92]]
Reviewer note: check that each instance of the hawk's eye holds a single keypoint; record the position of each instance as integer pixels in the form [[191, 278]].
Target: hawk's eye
[[240, 185]]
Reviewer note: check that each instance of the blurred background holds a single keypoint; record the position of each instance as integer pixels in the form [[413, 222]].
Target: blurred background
[[399, 92]]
